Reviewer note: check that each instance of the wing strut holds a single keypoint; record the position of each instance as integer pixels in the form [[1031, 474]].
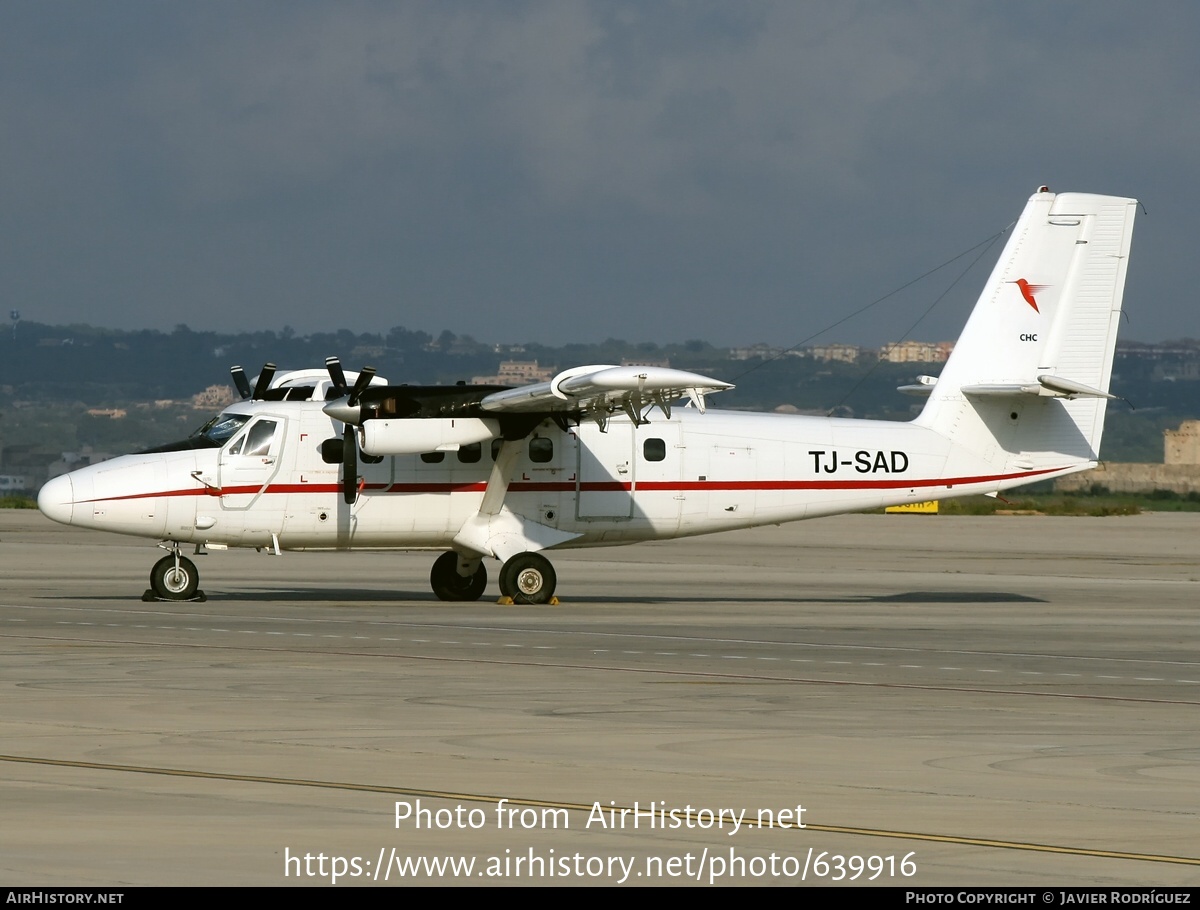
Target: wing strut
[[496, 530]]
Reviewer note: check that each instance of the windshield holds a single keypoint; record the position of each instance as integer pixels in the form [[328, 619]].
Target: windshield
[[212, 435], [218, 430]]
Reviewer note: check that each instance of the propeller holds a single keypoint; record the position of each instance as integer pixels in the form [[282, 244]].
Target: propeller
[[240, 381], [346, 411], [264, 381], [350, 414], [260, 387], [337, 376], [349, 466], [360, 385]]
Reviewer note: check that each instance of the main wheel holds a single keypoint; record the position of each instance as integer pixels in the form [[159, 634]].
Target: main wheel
[[505, 585], [171, 582], [447, 584], [528, 578]]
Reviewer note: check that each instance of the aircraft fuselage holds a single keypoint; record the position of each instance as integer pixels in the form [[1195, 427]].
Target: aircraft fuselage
[[687, 475]]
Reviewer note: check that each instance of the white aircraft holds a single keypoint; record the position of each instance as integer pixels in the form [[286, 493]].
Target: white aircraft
[[601, 456]]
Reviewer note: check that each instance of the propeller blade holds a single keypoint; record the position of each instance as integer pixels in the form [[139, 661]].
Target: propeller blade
[[264, 381], [360, 385], [336, 375], [240, 381], [349, 466]]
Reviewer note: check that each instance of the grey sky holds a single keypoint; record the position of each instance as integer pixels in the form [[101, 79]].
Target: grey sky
[[559, 171]]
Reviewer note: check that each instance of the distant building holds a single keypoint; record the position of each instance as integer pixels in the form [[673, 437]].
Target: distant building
[[516, 372], [842, 353], [1172, 370], [12, 484], [73, 461], [916, 352], [646, 362], [1185, 348], [755, 352], [1179, 472], [366, 352], [25, 464], [1182, 446], [213, 398]]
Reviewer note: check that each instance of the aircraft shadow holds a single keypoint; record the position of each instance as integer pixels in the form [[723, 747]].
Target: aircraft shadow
[[424, 598], [936, 597], [915, 597], [488, 599]]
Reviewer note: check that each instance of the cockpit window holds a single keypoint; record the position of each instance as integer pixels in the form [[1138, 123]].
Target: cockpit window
[[218, 430], [255, 441], [214, 434], [258, 440]]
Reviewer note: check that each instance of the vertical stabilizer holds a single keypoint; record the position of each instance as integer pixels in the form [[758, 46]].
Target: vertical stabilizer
[[1027, 383]]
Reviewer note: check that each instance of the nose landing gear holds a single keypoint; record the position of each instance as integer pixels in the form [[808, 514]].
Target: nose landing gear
[[174, 577]]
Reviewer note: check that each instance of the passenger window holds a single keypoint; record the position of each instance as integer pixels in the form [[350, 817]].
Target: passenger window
[[541, 449], [432, 457], [496, 443], [654, 449], [470, 454]]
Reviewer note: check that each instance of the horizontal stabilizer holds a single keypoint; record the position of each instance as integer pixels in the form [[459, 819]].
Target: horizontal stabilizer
[[922, 387], [1046, 385], [1068, 388]]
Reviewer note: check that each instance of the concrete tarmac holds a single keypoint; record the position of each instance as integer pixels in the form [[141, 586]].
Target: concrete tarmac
[[950, 701]]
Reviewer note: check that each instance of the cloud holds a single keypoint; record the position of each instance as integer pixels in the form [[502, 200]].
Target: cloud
[[542, 169]]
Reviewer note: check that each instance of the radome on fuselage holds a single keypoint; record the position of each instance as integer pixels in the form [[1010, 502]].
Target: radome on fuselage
[[603, 455]]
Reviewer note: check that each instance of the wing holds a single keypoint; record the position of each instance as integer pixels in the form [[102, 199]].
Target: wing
[[600, 391]]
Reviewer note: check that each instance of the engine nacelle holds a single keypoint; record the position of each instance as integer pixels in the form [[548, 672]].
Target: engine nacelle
[[431, 434]]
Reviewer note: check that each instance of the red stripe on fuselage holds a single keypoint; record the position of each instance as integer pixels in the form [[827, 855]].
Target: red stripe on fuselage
[[667, 486]]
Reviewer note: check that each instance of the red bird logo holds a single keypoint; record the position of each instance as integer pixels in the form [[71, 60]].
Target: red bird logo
[[1028, 290]]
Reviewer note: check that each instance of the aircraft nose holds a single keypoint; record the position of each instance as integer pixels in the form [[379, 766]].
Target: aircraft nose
[[57, 499]]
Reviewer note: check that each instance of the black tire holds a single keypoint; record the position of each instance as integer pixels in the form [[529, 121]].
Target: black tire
[[170, 583], [528, 578], [447, 584]]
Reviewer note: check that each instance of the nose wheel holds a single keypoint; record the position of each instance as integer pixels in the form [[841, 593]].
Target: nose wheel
[[174, 577]]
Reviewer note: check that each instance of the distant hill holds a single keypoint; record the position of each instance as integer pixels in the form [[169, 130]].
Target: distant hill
[[52, 376]]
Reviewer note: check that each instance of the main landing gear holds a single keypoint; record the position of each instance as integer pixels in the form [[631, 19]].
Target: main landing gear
[[174, 577], [448, 584], [527, 578]]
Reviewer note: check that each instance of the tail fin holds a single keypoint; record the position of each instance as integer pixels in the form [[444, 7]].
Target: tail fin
[[1027, 383]]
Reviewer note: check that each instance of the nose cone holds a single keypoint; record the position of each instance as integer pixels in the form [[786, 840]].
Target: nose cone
[[57, 499]]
